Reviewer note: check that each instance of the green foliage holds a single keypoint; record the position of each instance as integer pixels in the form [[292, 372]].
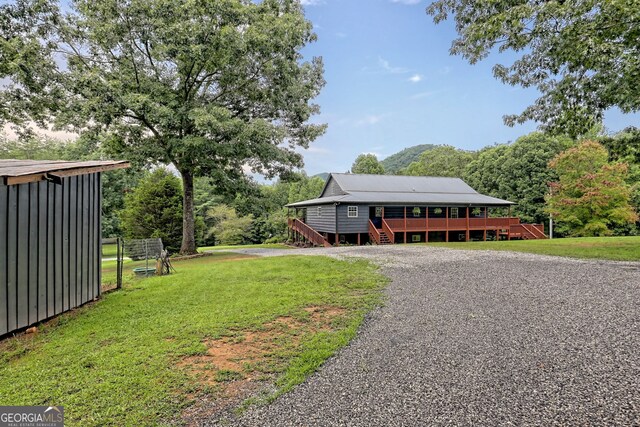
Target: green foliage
[[518, 172], [441, 160], [228, 228], [591, 195], [582, 56], [209, 87], [367, 164], [625, 147], [121, 361], [395, 162], [154, 209]]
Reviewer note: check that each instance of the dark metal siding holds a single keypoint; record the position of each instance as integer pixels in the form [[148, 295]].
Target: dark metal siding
[[348, 225], [333, 189], [326, 223], [49, 249]]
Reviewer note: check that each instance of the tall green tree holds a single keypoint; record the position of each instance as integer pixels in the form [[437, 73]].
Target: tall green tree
[[591, 196], [212, 87], [581, 55], [442, 160], [229, 228], [154, 209], [518, 172], [367, 164]]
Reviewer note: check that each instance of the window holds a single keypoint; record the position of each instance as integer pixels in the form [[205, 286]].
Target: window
[[352, 211], [454, 212], [415, 238], [416, 212], [319, 210], [378, 211]]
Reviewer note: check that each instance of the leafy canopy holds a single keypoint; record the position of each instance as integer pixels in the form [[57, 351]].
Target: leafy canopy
[[442, 160], [212, 87], [518, 172], [591, 195], [582, 55], [154, 209], [367, 164]]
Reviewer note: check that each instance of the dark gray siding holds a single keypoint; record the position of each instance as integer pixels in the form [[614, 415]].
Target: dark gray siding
[[326, 223], [333, 189], [49, 249], [348, 225]]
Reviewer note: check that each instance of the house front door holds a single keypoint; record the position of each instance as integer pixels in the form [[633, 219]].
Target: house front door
[[375, 215]]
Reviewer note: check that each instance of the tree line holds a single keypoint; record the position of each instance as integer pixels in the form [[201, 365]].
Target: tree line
[[590, 188]]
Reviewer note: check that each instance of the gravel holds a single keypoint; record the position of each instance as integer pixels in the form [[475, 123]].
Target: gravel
[[479, 338]]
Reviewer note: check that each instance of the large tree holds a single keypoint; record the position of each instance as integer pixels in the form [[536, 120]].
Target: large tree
[[582, 55], [367, 164], [441, 160], [518, 172], [212, 87], [591, 196]]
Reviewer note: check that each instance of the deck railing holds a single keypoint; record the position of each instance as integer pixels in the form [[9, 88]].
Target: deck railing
[[374, 233], [441, 224], [309, 233], [388, 231]]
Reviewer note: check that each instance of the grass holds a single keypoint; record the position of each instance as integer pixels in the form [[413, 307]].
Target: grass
[[120, 361], [109, 250], [610, 248], [262, 246]]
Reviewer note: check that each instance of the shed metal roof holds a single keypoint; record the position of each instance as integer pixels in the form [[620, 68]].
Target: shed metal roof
[[22, 171], [413, 190]]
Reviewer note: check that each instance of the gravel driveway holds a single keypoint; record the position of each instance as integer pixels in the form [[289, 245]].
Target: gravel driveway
[[479, 338]]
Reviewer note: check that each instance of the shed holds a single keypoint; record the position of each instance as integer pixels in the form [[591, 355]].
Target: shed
[[50, 238]]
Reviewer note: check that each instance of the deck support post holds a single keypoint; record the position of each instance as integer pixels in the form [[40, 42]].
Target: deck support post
[[467, 233], [358, 239], [446, 224], [509, 229]]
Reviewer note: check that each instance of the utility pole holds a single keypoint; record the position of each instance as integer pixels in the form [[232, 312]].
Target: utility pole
[[550, 226]]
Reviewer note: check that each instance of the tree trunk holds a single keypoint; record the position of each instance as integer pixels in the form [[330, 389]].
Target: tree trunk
[[188, 222]]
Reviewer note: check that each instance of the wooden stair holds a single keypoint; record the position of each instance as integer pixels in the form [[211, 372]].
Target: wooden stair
[[384, 239]]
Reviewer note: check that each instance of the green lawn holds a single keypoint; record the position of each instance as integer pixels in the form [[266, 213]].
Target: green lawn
[[125, 360], [109, 251], [612, 248], [262, 246]]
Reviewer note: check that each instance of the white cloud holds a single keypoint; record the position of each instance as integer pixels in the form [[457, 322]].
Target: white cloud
[[387, 67], [311, 2], [415, 78], [409, 2], [369, 120], [421, 95]]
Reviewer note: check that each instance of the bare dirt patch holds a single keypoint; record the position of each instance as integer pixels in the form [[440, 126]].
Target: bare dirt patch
[[239, 366]]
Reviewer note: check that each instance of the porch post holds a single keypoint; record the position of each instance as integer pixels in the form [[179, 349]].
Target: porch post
[[358, 239], [446, 224], [467, 236], [426, 224], [509, 220], [405, 225]]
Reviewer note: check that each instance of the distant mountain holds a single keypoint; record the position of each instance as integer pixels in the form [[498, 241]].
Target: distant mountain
[[404, 158], [323, 175]]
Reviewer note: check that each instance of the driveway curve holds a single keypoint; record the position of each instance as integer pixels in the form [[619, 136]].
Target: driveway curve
[[479, 338]]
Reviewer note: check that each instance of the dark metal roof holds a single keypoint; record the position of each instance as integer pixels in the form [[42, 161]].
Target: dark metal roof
[[415, 190], [22, 171]]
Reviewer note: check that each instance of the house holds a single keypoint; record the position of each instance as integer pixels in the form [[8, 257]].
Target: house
[[382, 209], [50, 238]]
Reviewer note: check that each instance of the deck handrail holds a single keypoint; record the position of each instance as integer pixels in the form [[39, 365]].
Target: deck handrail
[[373, 232], [312, 235], [531, 228], [388, 231]]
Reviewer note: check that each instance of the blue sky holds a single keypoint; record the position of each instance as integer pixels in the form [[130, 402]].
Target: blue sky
[[391, 84]]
